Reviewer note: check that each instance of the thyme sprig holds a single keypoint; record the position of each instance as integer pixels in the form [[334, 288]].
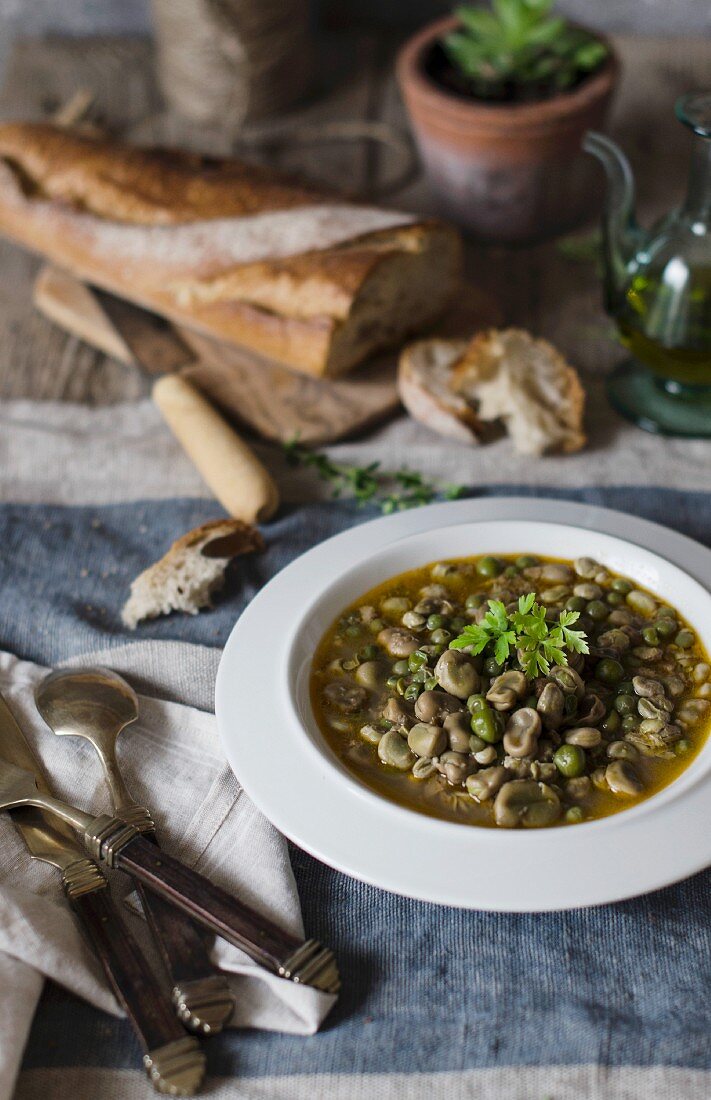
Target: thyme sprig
[[390, 490], [537, 643]]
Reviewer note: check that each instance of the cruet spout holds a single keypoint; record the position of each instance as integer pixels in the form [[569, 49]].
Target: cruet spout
[[620, 231]]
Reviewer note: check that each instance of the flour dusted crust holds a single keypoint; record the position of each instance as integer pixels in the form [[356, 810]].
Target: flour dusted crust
[[508, 376], [193, 570], [232, 249]]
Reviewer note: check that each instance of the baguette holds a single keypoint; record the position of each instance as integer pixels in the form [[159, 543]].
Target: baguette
[[234, 250]]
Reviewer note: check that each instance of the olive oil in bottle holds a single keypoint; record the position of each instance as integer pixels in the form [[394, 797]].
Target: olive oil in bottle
[[666, 323]]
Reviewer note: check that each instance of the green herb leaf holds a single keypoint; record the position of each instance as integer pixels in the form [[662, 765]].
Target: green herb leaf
[[392, 491], [526, 631]]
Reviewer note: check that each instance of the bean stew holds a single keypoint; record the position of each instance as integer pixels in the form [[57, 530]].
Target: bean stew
[[512, 691]]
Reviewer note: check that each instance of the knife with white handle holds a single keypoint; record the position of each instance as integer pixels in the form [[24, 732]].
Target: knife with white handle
[[173, 1060]]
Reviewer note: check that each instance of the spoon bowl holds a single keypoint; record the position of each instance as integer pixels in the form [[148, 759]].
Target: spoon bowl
[[94, 703]]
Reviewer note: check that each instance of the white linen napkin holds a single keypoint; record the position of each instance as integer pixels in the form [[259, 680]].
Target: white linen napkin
[[173, 763]]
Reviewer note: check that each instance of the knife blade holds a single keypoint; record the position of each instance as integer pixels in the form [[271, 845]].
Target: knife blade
[[227, 464], [172, 1059]]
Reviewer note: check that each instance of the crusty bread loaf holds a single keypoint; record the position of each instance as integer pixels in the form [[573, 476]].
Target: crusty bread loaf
[[507, 376], [233, 249], [192, 571]]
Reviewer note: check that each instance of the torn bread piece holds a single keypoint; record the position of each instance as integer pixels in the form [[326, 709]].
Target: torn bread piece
[[504, 376], [509, 375], [424, 380], [187, 577]]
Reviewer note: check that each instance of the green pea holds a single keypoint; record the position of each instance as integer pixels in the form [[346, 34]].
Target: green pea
[[666, 612], [456, 625], [626, 704], [416, 660], [569, 760], [611, 722], [476, 702], [615, 599], [439, 637], [684, 639], [609, 671], [431, 684], [438, 649], [492, 666], [683, 746], [401, 685], [369, 653], [630, 722], [526, 561], [597, 610], [651, 635], [401, 668], [511, 571], [575, 603], [420, 675], [487, 725], [475, 599], [619, 584], [375, 626], [665, 627], [434, 622], [352, 631], [625, 688], [488, 566], [412, 691], [574, 815], [391, 682]]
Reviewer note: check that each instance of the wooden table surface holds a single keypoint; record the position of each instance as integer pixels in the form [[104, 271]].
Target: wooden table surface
[[539, 288]]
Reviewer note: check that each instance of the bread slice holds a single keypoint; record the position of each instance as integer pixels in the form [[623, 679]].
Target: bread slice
[[505, 376], [424, 384], [187, 577], [235, 250]]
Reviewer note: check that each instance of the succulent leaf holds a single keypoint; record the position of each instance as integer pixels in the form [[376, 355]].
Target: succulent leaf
[[517, 49]]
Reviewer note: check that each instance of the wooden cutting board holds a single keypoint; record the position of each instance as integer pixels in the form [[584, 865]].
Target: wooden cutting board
[[254, 392]]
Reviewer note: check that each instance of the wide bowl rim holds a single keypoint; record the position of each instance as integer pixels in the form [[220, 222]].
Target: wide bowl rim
[[311, 755]]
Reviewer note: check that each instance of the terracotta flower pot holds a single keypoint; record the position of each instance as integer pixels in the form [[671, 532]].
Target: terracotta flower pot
[[510, 173]]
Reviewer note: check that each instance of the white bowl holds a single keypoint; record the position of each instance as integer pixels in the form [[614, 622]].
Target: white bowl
[[277, 751]]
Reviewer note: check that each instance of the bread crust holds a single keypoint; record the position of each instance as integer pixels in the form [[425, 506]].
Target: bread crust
[[77, 200], [441, 411]]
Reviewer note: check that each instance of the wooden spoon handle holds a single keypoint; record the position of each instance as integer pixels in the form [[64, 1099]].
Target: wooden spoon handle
[[230, 468]]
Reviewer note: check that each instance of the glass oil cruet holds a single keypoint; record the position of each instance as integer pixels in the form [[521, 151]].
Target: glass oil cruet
[[658, 288]]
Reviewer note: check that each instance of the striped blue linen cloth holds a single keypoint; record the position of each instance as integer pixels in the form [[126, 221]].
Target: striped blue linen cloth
[[607, 1004]]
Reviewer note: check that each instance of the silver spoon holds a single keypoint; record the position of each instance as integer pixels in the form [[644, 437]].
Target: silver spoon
[[97, 704]]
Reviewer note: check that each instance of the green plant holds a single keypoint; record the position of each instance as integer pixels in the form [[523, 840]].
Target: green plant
[[518, 50], [537, 643]]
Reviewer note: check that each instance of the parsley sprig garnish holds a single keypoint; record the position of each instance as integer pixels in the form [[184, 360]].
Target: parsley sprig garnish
[[392, 491], [538, 643]]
